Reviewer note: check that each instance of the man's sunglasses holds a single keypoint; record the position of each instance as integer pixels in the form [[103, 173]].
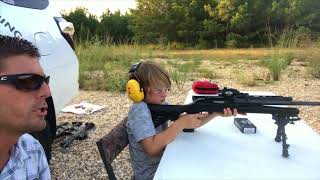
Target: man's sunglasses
[[25, 82]]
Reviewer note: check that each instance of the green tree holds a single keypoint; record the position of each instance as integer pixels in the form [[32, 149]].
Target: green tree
[[115, 27], [169, 20], [204, 24], [85, 24]]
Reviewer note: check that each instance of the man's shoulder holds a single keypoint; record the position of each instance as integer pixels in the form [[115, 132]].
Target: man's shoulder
[[32, 162], [28, 138], [28, 142]]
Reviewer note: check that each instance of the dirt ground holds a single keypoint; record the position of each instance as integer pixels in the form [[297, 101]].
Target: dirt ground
[[82, 159]]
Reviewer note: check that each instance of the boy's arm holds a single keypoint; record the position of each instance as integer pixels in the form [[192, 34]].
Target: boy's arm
[[153, 145], [226, 112]]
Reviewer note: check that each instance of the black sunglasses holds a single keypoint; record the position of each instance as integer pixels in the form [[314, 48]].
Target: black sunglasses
[[25, 82]]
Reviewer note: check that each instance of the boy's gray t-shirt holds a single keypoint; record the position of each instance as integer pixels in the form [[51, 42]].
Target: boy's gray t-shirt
[[139, 127]]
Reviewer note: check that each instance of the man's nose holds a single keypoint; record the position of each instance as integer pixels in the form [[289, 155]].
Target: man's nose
[[45, 90]]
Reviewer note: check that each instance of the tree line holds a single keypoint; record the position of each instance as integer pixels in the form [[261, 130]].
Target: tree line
[[202, 24]]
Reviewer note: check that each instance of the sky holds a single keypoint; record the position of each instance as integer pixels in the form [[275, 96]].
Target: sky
[[96, 7]]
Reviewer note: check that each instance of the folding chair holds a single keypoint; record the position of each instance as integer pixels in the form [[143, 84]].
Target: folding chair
[[111, 145]]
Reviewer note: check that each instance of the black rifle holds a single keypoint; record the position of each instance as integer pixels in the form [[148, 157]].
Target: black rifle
[[79, 133], [65, 129], [243, 102]]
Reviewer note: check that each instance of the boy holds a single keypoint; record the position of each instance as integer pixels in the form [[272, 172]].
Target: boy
[[146, 143]]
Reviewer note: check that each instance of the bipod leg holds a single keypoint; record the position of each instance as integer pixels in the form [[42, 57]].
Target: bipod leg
[[279, 132], [285, 146]]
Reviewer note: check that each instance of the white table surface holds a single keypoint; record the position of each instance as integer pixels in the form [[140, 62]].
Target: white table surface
[[218, 150]]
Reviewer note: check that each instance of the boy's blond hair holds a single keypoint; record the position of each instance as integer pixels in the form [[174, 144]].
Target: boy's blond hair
[[151, 74]]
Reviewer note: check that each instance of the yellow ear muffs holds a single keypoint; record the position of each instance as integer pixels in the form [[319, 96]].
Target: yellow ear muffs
[[134, 91]]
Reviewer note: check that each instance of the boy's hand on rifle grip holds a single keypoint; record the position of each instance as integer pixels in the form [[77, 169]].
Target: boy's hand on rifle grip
[[229, 112], [191, 121], [226, 112]]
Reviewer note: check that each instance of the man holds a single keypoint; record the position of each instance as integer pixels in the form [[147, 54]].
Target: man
[[23, 92]]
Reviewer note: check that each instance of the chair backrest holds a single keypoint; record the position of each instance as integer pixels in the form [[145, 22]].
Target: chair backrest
[[111, 145]]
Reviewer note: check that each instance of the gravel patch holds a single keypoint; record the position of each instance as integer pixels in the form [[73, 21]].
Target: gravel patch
[[82, 159]]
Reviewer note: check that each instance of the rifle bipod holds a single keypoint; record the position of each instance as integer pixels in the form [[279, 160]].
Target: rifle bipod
[[281, 122]]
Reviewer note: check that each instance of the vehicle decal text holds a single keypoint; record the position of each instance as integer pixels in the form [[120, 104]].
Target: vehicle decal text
[[12, 29]]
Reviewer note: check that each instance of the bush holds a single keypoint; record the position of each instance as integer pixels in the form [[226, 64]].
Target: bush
[[234, 40], [179, 78], [275, 65], [105, 66], [314, 64], [287, 58], [175, 46], [115, 77], [203, 44], [248, 79], [291, 38], [208, 74], [179, 73]]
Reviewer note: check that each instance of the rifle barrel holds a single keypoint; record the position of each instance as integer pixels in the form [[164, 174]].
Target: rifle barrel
[[265, 100], [292, 103], [163, 113], [305, 103], [207, 107]]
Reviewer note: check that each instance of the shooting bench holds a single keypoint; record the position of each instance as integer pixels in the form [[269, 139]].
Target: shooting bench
[[227, 153], [111, 145]]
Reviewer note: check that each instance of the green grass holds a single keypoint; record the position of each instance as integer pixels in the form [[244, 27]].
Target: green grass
[[314, 63], [105, 66], [248, 79], [278, 61], [208, 73]]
